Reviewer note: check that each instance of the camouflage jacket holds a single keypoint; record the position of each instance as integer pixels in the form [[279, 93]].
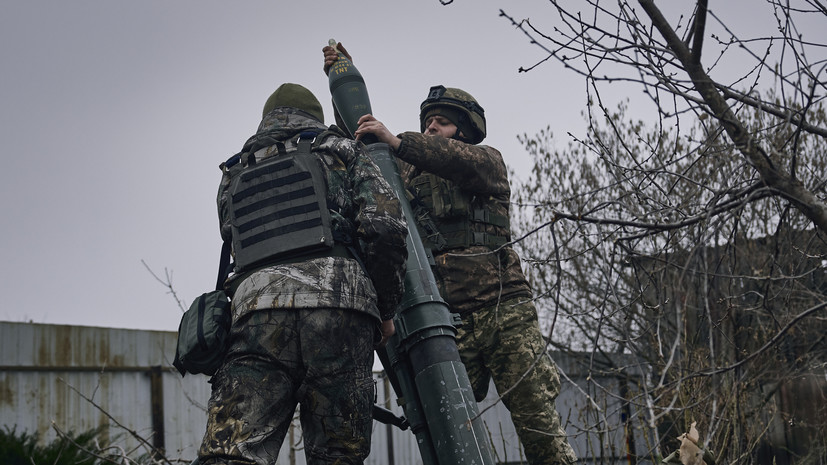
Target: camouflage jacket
[[475, 276], [363, 207]]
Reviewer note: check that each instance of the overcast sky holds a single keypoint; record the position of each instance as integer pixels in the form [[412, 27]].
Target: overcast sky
[[114, 116]]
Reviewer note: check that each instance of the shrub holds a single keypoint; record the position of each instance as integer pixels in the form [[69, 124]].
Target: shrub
[[23, 448]]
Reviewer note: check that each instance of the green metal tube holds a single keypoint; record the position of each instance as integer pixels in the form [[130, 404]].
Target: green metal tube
[[421, 358], [430, 378]]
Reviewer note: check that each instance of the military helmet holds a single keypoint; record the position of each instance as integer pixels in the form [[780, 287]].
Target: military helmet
[[459, 107]]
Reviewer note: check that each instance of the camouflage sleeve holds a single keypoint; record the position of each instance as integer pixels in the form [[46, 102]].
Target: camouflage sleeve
[[381, 230], [475, 168]]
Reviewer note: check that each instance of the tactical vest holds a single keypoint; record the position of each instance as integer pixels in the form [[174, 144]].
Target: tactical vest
[[449, 218], [278, 207]]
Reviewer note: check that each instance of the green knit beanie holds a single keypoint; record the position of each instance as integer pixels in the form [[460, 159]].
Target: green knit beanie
[[295, 96]]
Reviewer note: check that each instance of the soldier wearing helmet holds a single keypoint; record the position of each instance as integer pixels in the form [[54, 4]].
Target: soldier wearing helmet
[[460, 108], [461, 193]]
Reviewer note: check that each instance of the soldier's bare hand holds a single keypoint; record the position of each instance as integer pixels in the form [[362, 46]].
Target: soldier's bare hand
[[368, 124], [387, 329], [331, 55]]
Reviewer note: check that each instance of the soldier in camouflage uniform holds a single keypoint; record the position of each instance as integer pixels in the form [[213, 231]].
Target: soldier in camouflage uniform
[[463, 189], [305, 326]]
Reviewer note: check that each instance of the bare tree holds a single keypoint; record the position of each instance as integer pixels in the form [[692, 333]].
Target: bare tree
[[696, 240], [670, 70]]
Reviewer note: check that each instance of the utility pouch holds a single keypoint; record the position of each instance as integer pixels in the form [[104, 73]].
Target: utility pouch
[[204, 331], [444, 198], [204, 334]]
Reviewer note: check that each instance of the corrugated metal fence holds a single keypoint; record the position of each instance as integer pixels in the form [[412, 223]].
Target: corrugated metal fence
[[73, 378], [76, 378]]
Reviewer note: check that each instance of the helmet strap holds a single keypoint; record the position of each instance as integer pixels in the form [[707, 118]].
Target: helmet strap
[[462, 122], [458, 136]]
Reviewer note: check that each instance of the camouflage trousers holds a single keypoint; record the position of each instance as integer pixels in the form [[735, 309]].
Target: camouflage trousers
[[503, 342], [320, 359]]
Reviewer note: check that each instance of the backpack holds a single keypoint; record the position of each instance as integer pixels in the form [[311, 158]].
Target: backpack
[[204, 331]]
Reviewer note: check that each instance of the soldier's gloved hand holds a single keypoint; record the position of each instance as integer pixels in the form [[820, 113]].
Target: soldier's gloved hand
[[331, 55]]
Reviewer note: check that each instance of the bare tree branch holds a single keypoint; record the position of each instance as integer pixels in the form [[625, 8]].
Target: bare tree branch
[[156, 453], [774, 176], [167, 282]]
